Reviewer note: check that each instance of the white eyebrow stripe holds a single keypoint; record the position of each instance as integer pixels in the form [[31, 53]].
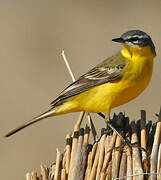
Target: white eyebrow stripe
[[140, 36]]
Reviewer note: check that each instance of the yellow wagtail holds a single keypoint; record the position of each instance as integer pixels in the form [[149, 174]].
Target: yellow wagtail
[[113, 82]]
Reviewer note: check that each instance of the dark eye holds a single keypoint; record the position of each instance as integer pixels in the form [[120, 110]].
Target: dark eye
[[134, 39]]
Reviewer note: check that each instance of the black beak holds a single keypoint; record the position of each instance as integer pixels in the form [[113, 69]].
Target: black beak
[[119, 40]]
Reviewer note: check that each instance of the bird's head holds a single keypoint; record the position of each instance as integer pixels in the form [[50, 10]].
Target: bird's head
[[136, 38]]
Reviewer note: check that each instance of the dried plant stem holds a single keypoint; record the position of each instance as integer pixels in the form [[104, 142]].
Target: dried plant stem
[[109, 171], [68, 152], [34, 175], [102, 176], [95, 164], [155, 149], [123, 164], [51, 172], [57, 168], [101, 156], [92, 127], [75, 142], [106, 159], [86, 135], [63, 175], [40, 177], [107, 143], [77, 167], [129, 159], [143, 129], [137, 166], [44, 172], [28, 176], [159, 162], [108, 154], [89, 166], [117, 156], [64, 156], [68, 66], [144, 141], [91, 157]]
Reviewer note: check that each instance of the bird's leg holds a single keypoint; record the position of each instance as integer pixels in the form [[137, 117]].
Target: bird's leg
[[109, 124], [114, 129]]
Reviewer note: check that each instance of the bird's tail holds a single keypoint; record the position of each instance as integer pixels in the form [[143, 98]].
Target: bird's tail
[[34, 120]]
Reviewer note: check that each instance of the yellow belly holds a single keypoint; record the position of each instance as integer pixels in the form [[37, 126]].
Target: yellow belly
[[102, 98]]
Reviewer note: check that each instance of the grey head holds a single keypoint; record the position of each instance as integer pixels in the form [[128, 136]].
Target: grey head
[[136, 37]]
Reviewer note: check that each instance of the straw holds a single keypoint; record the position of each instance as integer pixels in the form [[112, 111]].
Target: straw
[[63, 175], [109, 171], [101, 156], [74, 143], [144, 141], [28, 176], [123, 164], [103, 176], [64, 156], [52, 171], [108, 154], [77, 166], [91, 160], [34, 175], [68, 152], [137, 166], [129, 158], [57, 167], [44, 172], [95, 163], [108, 158], [117, 154], [92, 127], [159, 162], [89, 166], [155, 149], [40, 177]]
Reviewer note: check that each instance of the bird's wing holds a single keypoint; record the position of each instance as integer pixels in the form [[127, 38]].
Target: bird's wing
[[107, 71]]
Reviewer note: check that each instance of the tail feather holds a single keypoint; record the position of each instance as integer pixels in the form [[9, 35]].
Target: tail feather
[[34, 120]]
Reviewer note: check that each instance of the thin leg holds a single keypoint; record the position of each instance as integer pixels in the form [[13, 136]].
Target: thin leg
[[107, 121], [113, 128], [102, 115]]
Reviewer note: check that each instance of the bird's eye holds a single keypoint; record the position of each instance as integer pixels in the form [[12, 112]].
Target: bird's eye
[[134, 39]]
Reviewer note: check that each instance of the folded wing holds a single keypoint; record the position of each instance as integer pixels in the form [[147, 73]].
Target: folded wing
[[107, 71]]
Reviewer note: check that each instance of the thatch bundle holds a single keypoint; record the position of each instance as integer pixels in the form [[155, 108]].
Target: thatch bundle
[[108, 157]]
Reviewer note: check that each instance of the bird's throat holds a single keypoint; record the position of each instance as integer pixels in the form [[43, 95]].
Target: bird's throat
[[134, 51]]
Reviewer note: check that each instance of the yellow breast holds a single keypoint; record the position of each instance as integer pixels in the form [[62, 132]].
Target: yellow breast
[[102, 98], [135, 79], [136, 76]]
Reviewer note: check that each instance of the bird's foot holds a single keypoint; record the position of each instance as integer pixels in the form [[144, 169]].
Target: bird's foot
[[118, 124], [117, 131]]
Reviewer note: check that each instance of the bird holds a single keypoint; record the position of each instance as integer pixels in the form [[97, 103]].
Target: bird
[[113, 82]]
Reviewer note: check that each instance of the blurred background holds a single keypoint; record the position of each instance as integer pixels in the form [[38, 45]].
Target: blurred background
[[32, 73]]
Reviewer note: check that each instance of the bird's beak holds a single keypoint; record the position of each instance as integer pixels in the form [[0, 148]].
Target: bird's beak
[[119, 40]]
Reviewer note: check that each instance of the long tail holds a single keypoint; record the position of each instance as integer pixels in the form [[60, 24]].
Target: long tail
[[34, 120]]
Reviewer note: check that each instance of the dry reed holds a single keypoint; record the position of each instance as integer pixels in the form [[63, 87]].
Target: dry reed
[[108, 158]]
